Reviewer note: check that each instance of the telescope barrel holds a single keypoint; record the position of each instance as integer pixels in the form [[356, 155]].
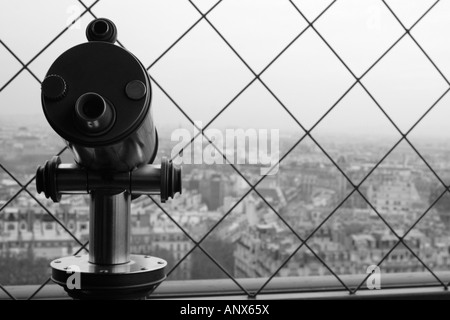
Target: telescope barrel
[[97, 97]]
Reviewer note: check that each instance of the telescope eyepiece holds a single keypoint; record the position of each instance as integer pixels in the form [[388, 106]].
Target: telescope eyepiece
[[93, 114]]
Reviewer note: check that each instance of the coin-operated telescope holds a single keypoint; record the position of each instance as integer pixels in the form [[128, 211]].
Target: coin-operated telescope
[[97, 97]]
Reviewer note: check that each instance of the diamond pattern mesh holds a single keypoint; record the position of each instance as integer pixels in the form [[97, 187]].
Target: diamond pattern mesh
[[306, 19]]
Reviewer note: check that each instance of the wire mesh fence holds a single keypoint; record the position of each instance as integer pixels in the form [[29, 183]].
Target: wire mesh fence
[[307, 134]]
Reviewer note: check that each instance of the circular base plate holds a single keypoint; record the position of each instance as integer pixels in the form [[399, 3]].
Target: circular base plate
[[84, 280]]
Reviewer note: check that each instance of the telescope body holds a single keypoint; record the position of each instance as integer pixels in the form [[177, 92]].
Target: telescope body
[[97, 97]]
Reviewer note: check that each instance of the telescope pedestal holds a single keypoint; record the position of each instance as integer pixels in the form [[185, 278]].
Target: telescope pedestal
[[132, 280], [109, 271]]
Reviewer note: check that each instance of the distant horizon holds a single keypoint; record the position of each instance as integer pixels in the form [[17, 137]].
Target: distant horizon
[[26, 120]]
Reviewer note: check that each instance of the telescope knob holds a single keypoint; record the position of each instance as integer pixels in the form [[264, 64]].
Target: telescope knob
[[46, 179], [101, 30], [170, 179], [54, 87]]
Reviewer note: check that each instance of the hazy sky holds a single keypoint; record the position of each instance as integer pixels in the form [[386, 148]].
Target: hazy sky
[[202, 74]]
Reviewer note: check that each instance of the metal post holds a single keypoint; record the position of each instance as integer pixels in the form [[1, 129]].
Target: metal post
[[109, 234]]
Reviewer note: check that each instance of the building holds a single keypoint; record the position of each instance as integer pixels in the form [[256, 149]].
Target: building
[[156, 235], [213, 190], [29, 227], [394, 193]]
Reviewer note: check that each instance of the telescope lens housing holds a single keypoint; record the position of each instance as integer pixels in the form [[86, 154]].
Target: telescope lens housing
[[97, 97], [93, 114]]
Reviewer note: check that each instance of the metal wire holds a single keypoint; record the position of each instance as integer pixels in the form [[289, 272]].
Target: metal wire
[[307, 133], [320, 147], [25, 66]]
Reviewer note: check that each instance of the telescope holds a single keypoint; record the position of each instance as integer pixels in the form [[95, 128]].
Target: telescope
[[97, 97]]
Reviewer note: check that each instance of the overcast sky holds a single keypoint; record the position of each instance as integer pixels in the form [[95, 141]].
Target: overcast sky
[[202, 74]]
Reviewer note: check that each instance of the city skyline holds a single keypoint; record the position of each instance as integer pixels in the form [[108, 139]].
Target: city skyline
[[307, 188]]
